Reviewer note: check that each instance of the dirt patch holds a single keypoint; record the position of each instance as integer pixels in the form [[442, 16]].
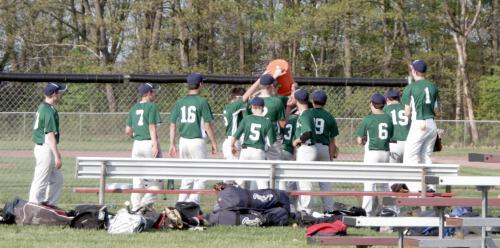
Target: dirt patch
[[7, 165]]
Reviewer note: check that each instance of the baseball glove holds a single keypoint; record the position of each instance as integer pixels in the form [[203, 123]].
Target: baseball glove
[[438, 146]]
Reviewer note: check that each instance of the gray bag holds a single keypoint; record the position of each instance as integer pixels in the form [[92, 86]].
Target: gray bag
[[126, 223], [37, 214]]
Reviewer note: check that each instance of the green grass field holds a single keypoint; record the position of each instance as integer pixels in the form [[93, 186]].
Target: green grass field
[[16, 173]]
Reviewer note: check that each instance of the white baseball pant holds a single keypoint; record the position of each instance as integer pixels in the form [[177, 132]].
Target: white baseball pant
[[143, 149], [305, 153], [227, 150], [47, 180], [192, 149], [251, 153], [397, 151], [289, 186], [419, 146], [324, 155], [370, 203], [274, 151]]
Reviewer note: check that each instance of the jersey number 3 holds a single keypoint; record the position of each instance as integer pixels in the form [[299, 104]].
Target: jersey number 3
[[188, 114]]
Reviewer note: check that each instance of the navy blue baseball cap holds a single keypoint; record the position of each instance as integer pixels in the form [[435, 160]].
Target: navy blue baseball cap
[[392, 94], [148, 87], [257, 101], [377, 98], [301, 95], [195, 79], [419, 65], [266, 79], [52, 88], [319, 96]]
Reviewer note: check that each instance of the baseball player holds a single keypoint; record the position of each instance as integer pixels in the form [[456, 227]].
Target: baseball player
[[258, 134], [326, 130], [233, 113], [420, 100], [375, 132], [401, 123], [288, 153], [48, 178], [274, 108], [304, 143], [142, 125], [194, 115]]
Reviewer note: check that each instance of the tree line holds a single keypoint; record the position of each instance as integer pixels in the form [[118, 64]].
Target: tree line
[[332, 38]]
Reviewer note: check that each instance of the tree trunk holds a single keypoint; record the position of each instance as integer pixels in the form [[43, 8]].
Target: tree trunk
[[155, 33], [495, 33], [404, 33], [242, 52], [460, 45], [103, 49], [347, 56], [388, 40], [458, 95]]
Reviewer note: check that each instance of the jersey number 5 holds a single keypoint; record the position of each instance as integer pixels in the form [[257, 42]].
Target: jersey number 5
[[188, 114], [254, 131]]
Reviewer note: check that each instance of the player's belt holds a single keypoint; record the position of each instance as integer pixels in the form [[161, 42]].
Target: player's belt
[[41, 144], [393, 141]]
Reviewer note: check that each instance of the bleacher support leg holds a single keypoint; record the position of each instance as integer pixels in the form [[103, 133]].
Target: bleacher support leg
[[401, 237], [102, 183]]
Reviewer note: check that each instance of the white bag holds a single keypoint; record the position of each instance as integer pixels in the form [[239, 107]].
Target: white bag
[[126, 223]]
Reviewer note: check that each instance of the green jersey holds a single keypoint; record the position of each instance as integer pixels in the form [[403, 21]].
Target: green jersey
[[325, 126], [274, 109], [288, 133], [46, 121], [378, 129], [191, 111], [422, 96], [140, 116], [233, 113], [257, 132], [305, 123], [400, 121]]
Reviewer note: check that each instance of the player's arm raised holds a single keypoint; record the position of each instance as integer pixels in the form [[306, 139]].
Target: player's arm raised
[[51, 138]]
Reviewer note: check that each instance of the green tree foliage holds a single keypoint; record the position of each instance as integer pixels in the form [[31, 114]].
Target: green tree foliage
[[489, 91], [239, 37]]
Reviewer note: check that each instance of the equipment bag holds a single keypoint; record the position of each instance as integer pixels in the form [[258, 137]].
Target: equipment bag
[[126, 223], [38, 214], [235, 218], [191, 213], [234, 198], [276, 217], [327, 229], [8, 214], [90, 217]]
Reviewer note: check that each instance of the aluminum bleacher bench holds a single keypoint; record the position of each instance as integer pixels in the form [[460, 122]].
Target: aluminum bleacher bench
[[401, 223], [104, 168]]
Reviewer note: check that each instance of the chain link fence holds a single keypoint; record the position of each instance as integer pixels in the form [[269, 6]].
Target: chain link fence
[[89, 128]]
